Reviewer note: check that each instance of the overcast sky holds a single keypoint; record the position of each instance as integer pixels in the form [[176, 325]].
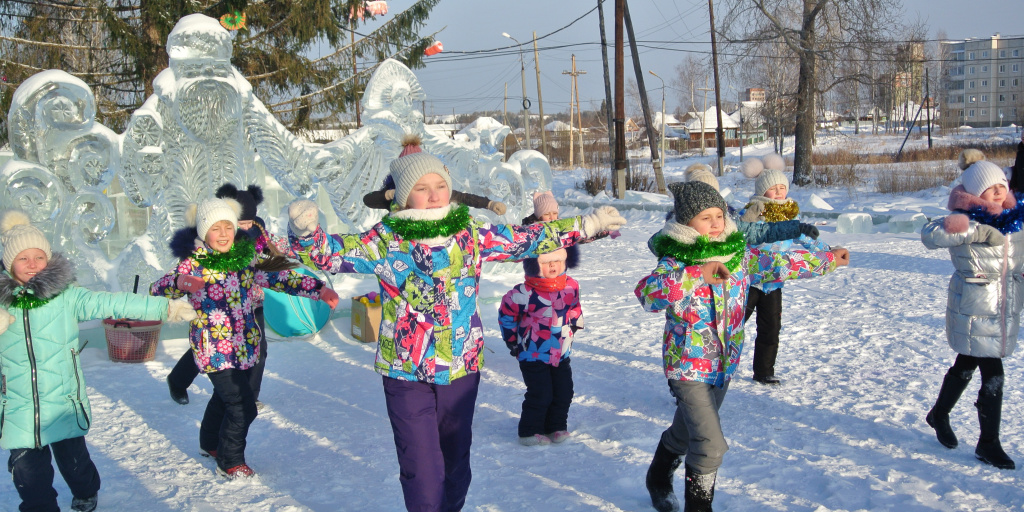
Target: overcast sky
[[668, 30]]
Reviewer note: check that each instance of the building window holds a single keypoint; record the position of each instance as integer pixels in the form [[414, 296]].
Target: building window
[[1002, 83], [973, 98], [1002, 98], [970, 55], [1016, 53], [1016, 82], [984, 111], [984, 54], [984, 69], [970, 69], [1002, 53], [984, 83], [970, 85], [984, 98], [1015, 67], [970, 113], [1002, 68]]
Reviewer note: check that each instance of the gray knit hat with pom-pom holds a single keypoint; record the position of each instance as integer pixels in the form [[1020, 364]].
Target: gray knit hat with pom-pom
[[693, 197]]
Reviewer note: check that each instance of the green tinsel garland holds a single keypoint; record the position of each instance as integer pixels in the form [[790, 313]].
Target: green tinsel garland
[[703, 248], [237, 258], [411, 229], [25, 299]]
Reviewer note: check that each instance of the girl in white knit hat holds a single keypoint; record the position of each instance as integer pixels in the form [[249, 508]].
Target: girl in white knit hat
[[428, 255], [221, 278], [770, 204], [986, 294], [46, 407]]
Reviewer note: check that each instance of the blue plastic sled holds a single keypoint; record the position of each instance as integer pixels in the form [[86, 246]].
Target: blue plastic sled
[[292, 316]]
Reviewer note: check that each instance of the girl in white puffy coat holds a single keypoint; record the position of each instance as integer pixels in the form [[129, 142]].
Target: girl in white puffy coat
[[986, 294]]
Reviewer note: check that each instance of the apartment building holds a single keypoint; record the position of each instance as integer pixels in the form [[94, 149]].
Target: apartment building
[[983, 81]]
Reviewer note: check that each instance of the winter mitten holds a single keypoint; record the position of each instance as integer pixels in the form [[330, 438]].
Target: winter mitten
[[389, 194], [497, 207], [180, 311], [809, 230], [5, 320], [190, 284], [985, 234], [329, 296], [956, 223], [754, 212], [303, 215], [604, 219]]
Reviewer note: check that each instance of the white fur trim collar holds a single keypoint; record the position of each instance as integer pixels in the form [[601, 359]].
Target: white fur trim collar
[[427, 214]]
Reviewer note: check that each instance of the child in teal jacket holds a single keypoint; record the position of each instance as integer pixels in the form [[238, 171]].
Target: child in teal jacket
[[44, 407]]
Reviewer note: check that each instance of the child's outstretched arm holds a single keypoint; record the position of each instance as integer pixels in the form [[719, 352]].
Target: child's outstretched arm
[[300, 285], [957, 229], [475, 201], [507, 242], [334, 253], [771, 266]]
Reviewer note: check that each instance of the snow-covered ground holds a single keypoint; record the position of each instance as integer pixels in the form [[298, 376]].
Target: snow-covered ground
[[862, 356]]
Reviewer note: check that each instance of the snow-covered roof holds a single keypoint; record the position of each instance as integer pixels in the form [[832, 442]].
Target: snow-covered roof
[[710, 121]]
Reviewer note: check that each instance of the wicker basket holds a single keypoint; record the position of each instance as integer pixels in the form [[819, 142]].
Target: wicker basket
[[132, 341]]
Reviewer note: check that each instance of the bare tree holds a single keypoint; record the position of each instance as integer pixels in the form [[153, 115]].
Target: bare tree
[[691, 74], [815, 31]]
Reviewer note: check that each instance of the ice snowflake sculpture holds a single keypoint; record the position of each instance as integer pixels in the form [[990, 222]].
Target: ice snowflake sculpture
[[203, 127]]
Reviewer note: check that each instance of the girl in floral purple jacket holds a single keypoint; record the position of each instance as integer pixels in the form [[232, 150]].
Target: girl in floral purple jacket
[[221, 279], [701, 281]]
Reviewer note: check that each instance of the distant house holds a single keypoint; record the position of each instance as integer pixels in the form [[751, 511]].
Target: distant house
[[674, 128], [705, 124]]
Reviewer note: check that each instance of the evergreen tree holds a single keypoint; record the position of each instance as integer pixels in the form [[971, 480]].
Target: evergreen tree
[[118, 47]]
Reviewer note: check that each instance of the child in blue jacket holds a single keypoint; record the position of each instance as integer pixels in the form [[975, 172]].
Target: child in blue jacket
[[45, 411]]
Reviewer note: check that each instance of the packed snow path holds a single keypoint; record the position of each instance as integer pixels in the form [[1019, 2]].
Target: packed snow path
[[862, 354]]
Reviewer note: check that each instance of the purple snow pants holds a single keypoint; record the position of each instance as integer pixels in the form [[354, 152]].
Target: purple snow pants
[[433, 427]]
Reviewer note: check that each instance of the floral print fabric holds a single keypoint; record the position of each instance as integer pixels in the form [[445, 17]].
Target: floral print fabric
[[225, 335]]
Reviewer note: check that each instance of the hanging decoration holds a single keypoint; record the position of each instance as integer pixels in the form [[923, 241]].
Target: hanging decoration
[[434, 49], [233, 21], [373, 8]]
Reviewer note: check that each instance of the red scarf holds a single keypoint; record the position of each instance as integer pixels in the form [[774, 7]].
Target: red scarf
[[546, 284]]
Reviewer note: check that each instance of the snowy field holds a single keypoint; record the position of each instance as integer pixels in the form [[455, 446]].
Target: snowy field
[[862, 356]]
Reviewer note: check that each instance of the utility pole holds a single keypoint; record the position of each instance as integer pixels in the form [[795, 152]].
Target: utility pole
[[655, 157], [540, 99], [719, 130], [928, 99], [619, 176], [574, 100], [607, 80], [703, 116], [504, 117], [661, 148]]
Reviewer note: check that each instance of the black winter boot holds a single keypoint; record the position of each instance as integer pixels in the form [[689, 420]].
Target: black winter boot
[[659, 479], [700, 490], [953, 385], [990, 408]]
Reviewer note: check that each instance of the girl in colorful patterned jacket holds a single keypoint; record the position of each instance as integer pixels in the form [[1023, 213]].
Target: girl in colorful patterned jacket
[[701, 281], [427, 257], [221, 278], [538, 319], [769, 205], [986, 295], [45, 407]]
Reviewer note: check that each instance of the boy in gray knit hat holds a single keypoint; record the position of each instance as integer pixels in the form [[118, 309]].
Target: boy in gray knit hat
[[700, 283]]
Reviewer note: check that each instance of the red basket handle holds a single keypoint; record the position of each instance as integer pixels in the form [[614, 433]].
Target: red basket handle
[[119, 323]]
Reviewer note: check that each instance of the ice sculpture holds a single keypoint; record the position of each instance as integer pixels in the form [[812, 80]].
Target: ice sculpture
[[63, 161], [203, 127], [907, 222]]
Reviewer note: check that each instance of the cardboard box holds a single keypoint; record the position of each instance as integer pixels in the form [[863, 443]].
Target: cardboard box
[[365, 319]]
